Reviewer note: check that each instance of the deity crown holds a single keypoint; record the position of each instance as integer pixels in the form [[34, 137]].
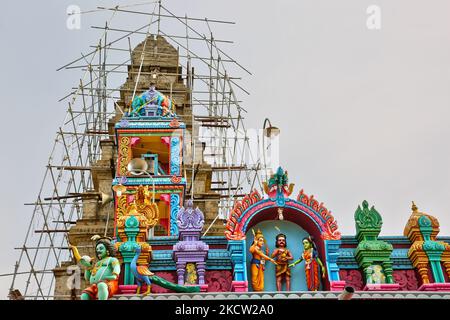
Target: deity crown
[[258, 234]]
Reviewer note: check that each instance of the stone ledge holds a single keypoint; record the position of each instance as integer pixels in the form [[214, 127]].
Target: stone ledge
[[435, 287], [382, 287], [329, 295]]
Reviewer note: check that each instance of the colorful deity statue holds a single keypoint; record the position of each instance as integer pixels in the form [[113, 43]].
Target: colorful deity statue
[[101, 273], [191, 274], [376, 274], [258, 261], [282, 256], [278, 187], [152, 97], [312, 263]]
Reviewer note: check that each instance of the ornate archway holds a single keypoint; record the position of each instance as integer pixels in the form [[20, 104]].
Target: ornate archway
[[304, 211]]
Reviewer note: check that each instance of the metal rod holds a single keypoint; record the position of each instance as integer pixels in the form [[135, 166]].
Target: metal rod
[[160, 54], [172, 36], [167, 16], [94, 51], [50, 231], [178, 18]]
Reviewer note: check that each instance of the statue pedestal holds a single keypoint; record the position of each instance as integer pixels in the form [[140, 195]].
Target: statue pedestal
[[337, 285], [239, 286], [382, 287], [435, 287], [128, 289]]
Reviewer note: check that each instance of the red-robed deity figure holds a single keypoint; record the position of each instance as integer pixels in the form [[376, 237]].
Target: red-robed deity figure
[[312, 263], [282, 256]]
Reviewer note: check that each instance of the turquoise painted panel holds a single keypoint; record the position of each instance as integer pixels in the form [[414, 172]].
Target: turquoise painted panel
[[332, 254], [174, 209], [238, 258]]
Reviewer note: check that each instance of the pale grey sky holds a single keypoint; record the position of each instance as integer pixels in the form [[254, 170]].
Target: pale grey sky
[[364, 114]]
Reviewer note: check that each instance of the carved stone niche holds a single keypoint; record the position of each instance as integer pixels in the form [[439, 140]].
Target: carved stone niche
[[373, 255]]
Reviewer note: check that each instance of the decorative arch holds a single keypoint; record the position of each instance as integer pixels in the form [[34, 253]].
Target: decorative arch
[[305, 211]]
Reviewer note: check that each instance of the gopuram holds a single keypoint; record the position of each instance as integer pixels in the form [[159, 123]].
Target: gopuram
[[156, 189], [275, 242]]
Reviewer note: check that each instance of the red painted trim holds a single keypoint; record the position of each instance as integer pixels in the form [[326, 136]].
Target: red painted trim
[[348, 245], [161, 247], [401, 246], [217, 246]]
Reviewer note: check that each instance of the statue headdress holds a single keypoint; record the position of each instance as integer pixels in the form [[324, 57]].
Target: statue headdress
[[313, 244], [107, 241], [257, 234], [97, 238]]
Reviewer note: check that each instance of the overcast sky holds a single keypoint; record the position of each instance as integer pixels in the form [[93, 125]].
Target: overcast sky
[[364, 114]]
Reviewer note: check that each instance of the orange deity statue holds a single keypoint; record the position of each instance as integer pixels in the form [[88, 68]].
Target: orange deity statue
[[258, 261]]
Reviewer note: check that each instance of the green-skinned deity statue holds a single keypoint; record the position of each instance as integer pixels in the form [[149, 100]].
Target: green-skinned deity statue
[[101, 273]]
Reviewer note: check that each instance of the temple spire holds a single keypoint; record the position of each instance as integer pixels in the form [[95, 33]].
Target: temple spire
[[414, 207]]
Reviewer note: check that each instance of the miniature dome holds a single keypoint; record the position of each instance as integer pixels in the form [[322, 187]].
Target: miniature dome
[[421, 225]]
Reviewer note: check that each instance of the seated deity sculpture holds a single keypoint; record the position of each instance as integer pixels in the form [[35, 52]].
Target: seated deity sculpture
[[101, 273], [376, 274]]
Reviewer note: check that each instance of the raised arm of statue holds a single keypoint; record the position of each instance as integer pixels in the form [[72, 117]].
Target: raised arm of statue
[[289, 255], [76, 254], [275, 253], [85, 261]]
